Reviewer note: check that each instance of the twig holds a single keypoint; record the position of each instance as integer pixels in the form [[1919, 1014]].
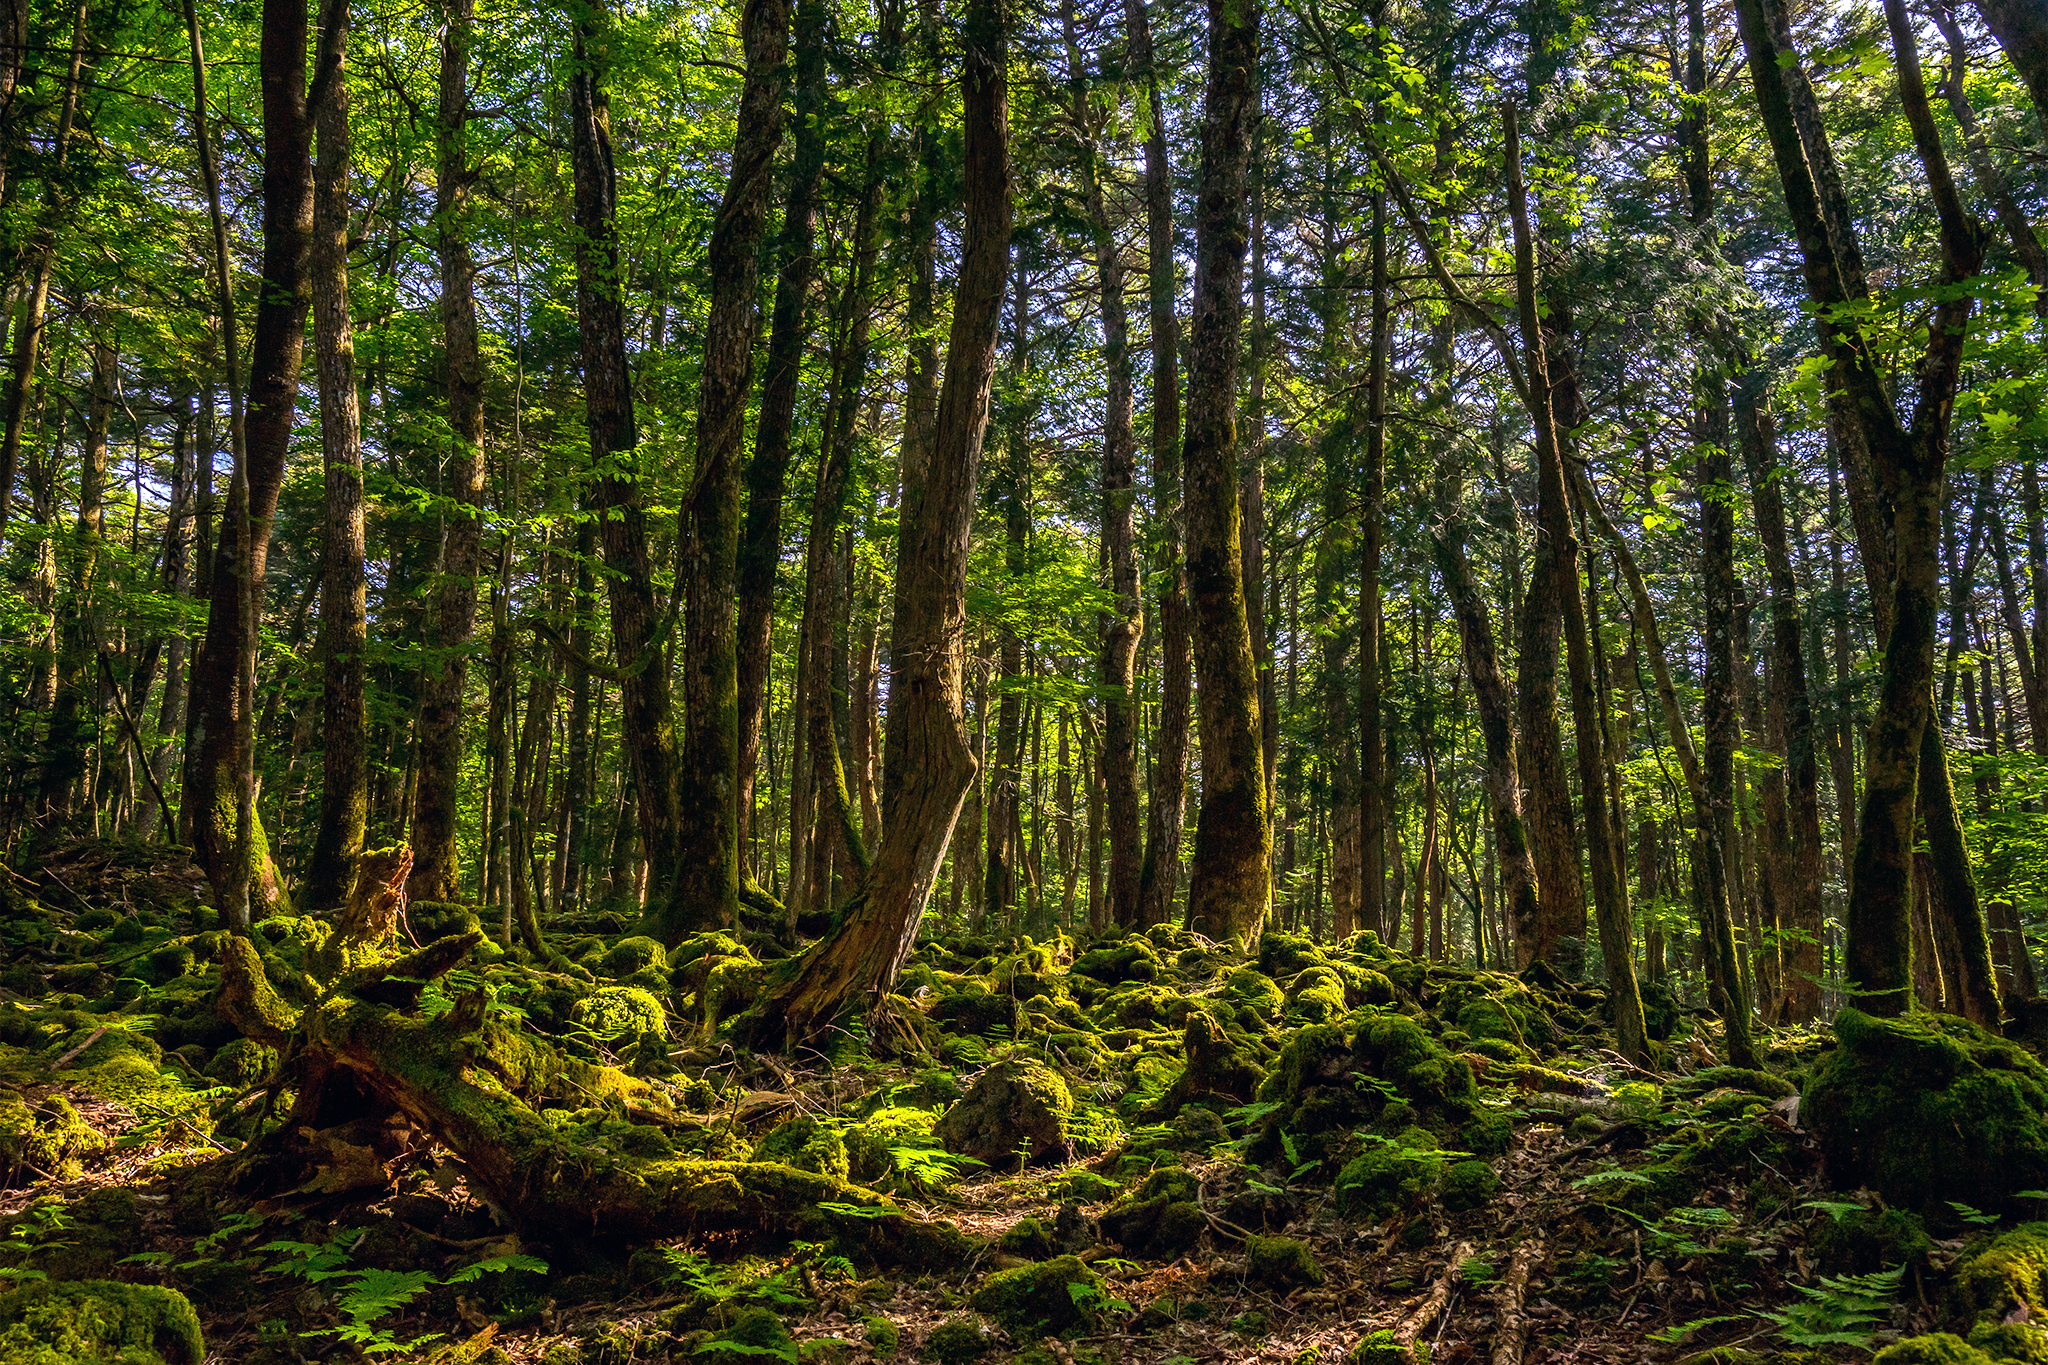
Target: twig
[[179, 1118], [1419, 1321], [90, 1039], [1513, 1332]]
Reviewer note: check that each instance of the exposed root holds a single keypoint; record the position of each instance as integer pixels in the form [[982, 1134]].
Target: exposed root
[[1511, 1334]]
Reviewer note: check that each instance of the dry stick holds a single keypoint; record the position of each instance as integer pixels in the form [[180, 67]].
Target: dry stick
[[128, 723], [90, 1039], [1513, 1331]]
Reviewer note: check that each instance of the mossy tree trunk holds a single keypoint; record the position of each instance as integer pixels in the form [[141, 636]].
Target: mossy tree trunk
[[705, 889], [1908, 462], [1159, 874], [68, 742], [2022, 30], [344, 629], [928, 766], [1372, 494], [1228, 886]]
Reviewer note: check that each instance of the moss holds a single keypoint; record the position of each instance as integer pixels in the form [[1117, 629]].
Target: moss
[[1936, 1348], [1927, 1109], [1487, 1132], [1485, 1017], [957, 1341], [755, 1332], [620, 1012], [1763, 1083], [242, 1062], [1384, 1348], [1085, 1186], [974, 1009], [1316, 996], [2008, 1275], [2019, 1342], [1030, 1239], [1217, 1066], [1395, 1047], [883, 1336], [1869, 1240], [46, 1137], [808, 1145], [731, 986], [1157, 1224], [1134, 959], [1039, 1299], [1280, 1262], [1469, 1185], [1390, 1175], [1014, 1108], [631, 955], [98, 1322], [1255, 991]]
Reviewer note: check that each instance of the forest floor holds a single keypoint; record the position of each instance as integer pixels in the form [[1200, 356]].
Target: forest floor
[[1151, 1149]]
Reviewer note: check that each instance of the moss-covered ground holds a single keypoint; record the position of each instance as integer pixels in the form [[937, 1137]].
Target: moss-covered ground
[[1146, 1148]]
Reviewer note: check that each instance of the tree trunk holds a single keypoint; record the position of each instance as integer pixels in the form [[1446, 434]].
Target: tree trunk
[[706, 880], [68, 744], [1227, 883], [436, 873], [344, 632], [638, 632], [1609, 897], [218, 783], [1159, 875], [2022, 30], [927, 773], [789, 326], [1372, 777]]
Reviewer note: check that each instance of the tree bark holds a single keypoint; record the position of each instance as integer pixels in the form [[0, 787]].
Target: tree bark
[[1228, 887], [344, 632], [2022, 30]]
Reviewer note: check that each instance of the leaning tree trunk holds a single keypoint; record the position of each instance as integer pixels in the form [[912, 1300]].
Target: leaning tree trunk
[[216, 778], [345, 785], [704, 893], [2022, 30], [436, 873], [1228, 885], [928, 766]]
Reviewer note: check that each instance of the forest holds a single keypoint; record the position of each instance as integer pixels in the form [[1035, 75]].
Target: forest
[[1330, 682]]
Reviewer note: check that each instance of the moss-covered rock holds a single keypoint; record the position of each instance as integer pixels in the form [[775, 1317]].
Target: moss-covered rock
[[957, 1341], [1255, 991], [1133, 959], [883, 1336], [755, 1334], [2006, 1279], [1868, 1240], [1764, 1084], [630, 956], [1280, 1263], [1391, 1174], [242, 1062], [1040, 1300], [1469, 1185], [808, 1145], [1936, 1348], [98, 1322], [45, 1138], [1930, 1108], [691, 961], [1030, 1239], [1014, 1108], [1218, 1067], [1163, 1218], [616, 1013], [1315, 996]]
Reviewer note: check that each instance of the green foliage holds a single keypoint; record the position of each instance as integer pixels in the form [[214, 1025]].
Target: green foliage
[[369, 1295], [1846, 1310]]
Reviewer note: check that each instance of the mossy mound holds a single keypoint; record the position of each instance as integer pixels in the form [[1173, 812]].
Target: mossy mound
[[1390, 1175], [1280, 1263], [1133, 959], [957, 1341], [1163, 1218], [45, 1137], [616, 1013], [1936, 1348], [1220, 1068], [1041, 1300], [1015, 1108], [98, 1322], [1926, 1109], [755, 1334]]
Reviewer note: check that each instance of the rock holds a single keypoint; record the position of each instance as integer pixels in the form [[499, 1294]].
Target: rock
[[47, 1137], [1216, 1066], [1162, 1219], [1039, 1300], [754, 1334], [1390, 1175], [98, 1322], [633, 955], [1134, 959], [808, 1145], [1869, 1240], [1764, 1083], [1280, 1263], [1469, 1185], [1013, 1107], [882, 1334], [1929, 1108], [1030, 1239]]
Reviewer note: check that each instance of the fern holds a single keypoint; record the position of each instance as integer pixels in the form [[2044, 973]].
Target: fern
[[1847, 1310]]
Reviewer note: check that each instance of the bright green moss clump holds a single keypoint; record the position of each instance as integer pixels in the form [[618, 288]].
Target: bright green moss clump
[[47, 1137], [1390, 1175], [98, 1322], [1280, 1263], [1929, 1108], [2007, 1277], [1937, 1348], [615, 1012]]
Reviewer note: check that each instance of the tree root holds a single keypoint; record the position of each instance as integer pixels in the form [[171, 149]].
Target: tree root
[[366, 1050], [1511, 1333]]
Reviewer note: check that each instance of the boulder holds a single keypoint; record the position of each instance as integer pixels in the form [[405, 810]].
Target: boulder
[[1014, 1108]]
